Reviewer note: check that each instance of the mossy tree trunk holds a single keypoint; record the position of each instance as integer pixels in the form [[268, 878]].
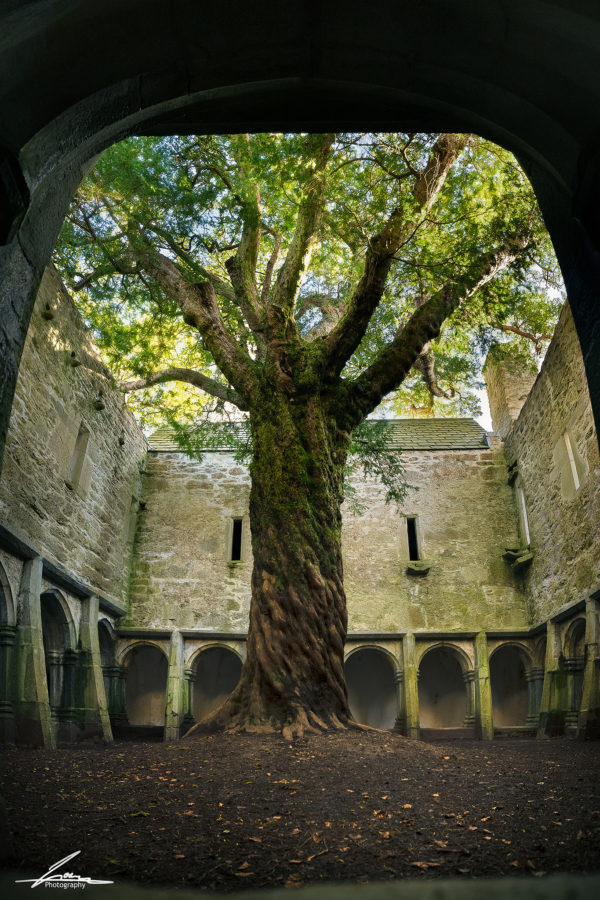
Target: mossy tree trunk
[[293, 677]]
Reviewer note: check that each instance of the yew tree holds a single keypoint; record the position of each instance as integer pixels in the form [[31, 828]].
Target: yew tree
[[302, 280]]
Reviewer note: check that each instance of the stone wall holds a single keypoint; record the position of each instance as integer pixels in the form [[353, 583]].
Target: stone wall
[[560, 478], [75, 510], [508, 383], [466, 517], [182, 575]]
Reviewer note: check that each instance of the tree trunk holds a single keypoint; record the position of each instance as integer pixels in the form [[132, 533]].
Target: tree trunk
[[293, 678]]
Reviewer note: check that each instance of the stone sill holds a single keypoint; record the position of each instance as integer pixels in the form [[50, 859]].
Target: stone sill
[[418, 567]]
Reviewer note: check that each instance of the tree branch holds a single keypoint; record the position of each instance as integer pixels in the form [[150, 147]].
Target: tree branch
[[242, 266], [279, 311], [264, 294], [536, 339], [425, 364], [395, 360], [343, 340], [188, 376], [198, 303]]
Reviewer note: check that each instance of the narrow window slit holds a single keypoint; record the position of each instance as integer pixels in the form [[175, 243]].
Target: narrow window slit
[[77, 460], [572, 463], [413, 543], [236, 541]]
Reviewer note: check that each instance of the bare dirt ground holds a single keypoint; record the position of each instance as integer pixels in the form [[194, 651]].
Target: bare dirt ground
[[226, 812]]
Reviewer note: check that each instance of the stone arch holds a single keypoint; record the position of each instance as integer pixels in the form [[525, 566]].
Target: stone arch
[[371, 681], [574, 639], [215, 672], [146, 667], [539, 652], [107, 640], [7, 604], [58, 619], [510, 663], [443, 691], [58, 635], [463, 658]]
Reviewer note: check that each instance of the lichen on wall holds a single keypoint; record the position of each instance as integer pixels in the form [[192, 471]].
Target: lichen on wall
[[560, 477], [466, 518], [79, 523], [182, 574]]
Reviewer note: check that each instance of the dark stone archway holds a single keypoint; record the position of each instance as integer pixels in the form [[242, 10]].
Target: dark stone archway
[[523, 74], [370, 676]]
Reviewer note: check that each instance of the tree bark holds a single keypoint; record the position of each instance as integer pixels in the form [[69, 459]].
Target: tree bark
[[293, 678]]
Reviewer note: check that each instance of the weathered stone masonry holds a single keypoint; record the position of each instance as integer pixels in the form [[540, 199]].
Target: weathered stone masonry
[[68, 495], [473, 608]]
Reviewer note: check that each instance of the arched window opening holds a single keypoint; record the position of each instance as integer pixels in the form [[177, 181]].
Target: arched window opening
[[216, 672], [56, 638], [145, 694], [442, 690], [509, 687], [371, 688]]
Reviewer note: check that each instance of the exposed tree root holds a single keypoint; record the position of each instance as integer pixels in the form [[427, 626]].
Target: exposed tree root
[[228, 720]]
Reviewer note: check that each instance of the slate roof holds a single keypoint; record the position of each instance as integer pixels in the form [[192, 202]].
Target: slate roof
[[407, 434]]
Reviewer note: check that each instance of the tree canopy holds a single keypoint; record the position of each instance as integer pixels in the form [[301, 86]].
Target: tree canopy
[[233, 211], [304, 279]]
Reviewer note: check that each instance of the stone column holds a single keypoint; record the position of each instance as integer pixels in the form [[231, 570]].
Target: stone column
[[54, 663], [188, 715], [574, 667], [483, 689], [175, 686], [119, 696], [67, 725], [535, 682], [400, 723], [8, 634], [34, 722], [469, 680], [411, 689], [94, 706], [116, 676], [552, 704], [588, 722]]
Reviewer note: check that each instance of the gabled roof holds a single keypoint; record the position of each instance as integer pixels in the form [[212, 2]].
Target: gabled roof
[[405, 434], [437, 434]]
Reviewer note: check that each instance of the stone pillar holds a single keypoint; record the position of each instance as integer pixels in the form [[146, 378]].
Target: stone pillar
[[34, 722], [116, 676], [55, 675], [552, 704], [8, 634], [400, 723], [119, 696], [94, 706], [469, 680], [535, 682], [483, 689], [188, 715], [574, 667], [175, 688], [67, 725], [411, 689], [588, 722]]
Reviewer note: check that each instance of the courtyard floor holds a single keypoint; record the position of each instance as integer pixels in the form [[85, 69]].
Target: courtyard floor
[[231, 812]]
